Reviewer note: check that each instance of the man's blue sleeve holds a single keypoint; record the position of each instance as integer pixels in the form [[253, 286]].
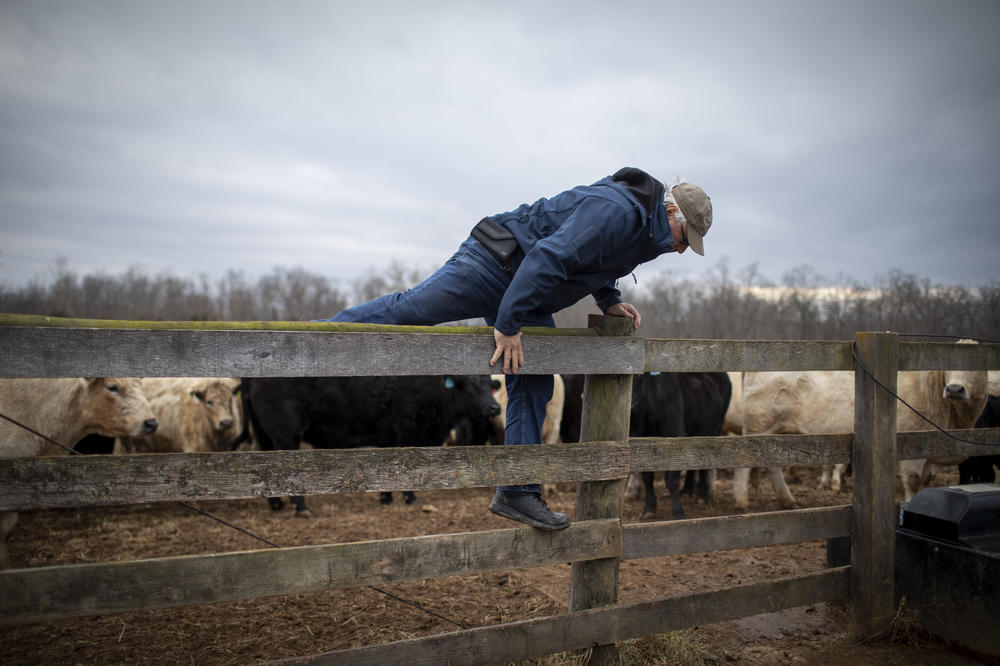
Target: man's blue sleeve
[[594, 227], [607, 296]]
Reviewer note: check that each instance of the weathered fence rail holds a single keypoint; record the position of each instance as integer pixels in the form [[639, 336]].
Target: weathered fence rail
[[596, 543], [63, 482]]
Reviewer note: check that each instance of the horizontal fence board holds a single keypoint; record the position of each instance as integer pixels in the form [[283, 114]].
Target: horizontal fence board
[[682, 453], [728, 532], [746, 355], [519, 641], [948, 356], [67, 352], [933, 443], [33, 346], [45, 593], [85, 481]]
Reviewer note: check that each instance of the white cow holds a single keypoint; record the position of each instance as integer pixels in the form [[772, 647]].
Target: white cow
[[767, 403], [823, 403], [66, 410], [196, 414], [951, 399], [553, 409]]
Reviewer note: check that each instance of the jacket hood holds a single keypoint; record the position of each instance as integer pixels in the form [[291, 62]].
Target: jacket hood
[[647, 190]]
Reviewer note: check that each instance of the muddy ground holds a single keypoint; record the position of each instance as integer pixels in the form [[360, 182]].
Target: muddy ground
[[278, 627]]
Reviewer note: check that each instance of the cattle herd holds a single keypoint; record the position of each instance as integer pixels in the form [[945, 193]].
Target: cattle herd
[[184, 415]]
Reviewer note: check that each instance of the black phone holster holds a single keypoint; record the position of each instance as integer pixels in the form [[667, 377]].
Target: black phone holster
[[500, 242]]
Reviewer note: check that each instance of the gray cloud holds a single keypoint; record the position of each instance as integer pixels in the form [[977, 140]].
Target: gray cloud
[[855, 137]]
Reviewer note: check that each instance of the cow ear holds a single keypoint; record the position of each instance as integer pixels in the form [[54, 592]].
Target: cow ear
[[449, 382]]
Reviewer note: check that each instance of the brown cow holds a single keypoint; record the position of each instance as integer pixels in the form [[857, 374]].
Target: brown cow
[[66, 410], [196, 414]]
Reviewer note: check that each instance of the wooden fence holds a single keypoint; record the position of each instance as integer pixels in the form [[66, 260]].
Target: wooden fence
[[596, 542]]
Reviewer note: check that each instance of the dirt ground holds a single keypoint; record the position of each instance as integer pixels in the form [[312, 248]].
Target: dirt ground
[[279, 627]]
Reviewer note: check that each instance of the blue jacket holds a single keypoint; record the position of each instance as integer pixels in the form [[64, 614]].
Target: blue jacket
[[580, 242]]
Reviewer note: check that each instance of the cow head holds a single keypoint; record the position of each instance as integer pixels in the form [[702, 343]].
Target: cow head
[[470, 396], [966, 393], [216, 397], [116, 407]]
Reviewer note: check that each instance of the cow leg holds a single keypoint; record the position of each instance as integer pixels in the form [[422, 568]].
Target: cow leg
[[673, 481], [649, 510], [781, 491], [287, 439], [832, 476], [910, 472], [7, 521], [408, 497], [741, 483], [698, 485], [824, 479], [689, 482], [301, 510], [837, 479], [635, 484], [706, 479]]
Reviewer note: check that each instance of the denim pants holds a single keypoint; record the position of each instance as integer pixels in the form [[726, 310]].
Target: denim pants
[[470, 284]]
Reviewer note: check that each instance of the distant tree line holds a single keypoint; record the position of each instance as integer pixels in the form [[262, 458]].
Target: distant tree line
[[804, 307], [717, 305]]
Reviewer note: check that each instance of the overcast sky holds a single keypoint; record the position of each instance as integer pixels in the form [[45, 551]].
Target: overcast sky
[[201, 137]]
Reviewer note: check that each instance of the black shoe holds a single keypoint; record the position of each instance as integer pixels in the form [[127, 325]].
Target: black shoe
[[528, 508]]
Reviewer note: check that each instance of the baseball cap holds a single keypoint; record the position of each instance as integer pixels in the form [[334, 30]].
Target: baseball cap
[[697, 209]]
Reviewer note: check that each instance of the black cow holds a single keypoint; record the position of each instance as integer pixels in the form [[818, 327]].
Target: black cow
[[979, 469], [95, 444], [678, 404], [667, 404], [351, 412]]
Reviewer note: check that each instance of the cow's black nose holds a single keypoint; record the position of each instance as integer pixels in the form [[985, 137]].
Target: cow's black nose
[[149, 426], [493, 410], [225, 423], [955, 392]]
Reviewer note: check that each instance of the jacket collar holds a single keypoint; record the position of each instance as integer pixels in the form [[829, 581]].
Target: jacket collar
[[648, 191]]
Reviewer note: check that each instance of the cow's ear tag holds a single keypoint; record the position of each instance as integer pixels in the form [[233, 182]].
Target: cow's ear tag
[[449, 382]]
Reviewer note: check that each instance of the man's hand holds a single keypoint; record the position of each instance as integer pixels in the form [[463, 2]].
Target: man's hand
[[625, 310], [508, 346]]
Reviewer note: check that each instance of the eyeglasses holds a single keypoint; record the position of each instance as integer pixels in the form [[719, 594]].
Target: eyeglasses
[[682, 223]]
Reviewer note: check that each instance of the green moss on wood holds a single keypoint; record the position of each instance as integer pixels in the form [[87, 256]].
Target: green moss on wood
[[63, 322]]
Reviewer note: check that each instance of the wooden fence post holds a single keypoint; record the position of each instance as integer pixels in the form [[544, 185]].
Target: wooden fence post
[[606, 406], [873, 531]]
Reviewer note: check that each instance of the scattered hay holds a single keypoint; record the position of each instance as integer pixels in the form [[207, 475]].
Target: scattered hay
[[676, 647], [904, 630]]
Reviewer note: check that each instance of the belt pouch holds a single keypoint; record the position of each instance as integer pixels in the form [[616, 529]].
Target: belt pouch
[[496, 238]]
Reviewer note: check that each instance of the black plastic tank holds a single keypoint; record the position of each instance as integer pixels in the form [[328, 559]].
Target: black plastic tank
[[948, 563]]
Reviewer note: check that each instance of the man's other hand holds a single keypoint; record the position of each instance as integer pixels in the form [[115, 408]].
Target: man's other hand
[[509, 347], [626, 310]]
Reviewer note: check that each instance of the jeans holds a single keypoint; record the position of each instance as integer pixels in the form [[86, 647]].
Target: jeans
[[470, 284]]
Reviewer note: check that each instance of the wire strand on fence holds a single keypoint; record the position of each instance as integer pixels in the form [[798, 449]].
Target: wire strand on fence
[[248, 533]]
